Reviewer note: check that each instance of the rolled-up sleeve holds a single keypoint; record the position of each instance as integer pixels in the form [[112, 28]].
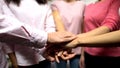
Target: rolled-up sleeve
[[112, 19]]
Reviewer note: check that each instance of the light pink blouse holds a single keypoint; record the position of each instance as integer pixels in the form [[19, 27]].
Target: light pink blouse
[[72, 16]]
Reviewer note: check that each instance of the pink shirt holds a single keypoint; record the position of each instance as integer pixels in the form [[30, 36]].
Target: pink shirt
[[104, 13], [72, 16]]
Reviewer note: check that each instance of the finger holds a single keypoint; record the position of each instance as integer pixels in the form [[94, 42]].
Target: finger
[[70, 56], [57, 59], [82, 64], [63, 57], [65, 53], [60, 53], [68, 38], [51, 58]]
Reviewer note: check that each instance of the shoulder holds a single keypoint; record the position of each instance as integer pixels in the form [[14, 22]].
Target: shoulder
[[46, 7], [80, 3], [58, 2], [1, 2]]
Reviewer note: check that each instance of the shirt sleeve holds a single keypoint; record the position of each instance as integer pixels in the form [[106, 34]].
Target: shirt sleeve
[[49, 23], [112, 18], [54, 5], [7, 49], [9, 24]]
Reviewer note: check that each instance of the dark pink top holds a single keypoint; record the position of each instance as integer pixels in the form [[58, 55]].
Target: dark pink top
[[104, 13]]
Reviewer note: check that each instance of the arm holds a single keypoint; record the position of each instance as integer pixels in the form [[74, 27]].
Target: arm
[[57, 18], [82, 59], [10, 27], [97, 31], [110, 23], [36, 38], [108, 38], [58, 22], [13, 60], [9, 51]]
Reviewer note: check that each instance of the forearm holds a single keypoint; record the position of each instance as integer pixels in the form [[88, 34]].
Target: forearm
[[87, 38], [13, 60], [58, 21], [108, 38], [97, 31], [82, 51]]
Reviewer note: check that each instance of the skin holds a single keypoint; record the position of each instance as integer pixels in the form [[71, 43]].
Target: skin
[[108, 38]]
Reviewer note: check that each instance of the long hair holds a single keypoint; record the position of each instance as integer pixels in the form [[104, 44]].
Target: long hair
[[41, 1], [17, 2]]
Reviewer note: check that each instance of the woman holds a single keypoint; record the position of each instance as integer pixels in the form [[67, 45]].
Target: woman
[[37, 14], [104, 20], [15, 22], [68, 16], [41, 20]]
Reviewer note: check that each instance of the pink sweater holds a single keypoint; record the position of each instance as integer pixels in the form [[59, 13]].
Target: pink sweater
[[104, 13]]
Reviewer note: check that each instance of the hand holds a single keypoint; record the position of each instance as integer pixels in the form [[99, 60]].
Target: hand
[[82, 62], [73, 43], [66, 55], [78, 41], [48, 57], [54, 52], [52, 58], [58, 37]]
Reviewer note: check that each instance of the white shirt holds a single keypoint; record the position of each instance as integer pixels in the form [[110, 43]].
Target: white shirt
[[3, 60], [36, 16], [10, 23]]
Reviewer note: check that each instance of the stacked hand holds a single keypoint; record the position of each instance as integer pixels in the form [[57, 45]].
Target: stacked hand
[[54, 52], [58, 37], [73, 43], [58, 49]]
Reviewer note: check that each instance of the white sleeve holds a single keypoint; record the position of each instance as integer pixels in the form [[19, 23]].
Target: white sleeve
[[49, 22], [10, 24], [7, 49]]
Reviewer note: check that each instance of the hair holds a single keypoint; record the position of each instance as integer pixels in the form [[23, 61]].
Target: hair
[[17, 2]]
